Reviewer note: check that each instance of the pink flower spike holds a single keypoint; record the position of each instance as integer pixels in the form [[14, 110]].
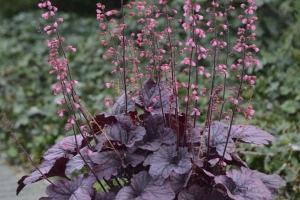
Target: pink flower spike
[[68, 126], [107, 85], [42, 5], [112, 12], [60, 19], [72, 48], [47, 28], [45, 15], [61, 101], [83, 127], [60, 112], [76, 105]]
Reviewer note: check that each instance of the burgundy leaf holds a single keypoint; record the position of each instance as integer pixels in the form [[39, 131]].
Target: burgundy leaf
[[49, 168], [195, 192], [218, 139], [156, 134], [156, 96], [167, 159], [120, 105], [244, 183], [123, 131], [81, 187], [76, 162], [251, 134], [143, 188], [100, 121]]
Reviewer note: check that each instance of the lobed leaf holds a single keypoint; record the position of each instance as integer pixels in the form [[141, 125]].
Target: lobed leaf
[[109, 163], [244, 183], [100, 121], [157, 96], [156, 134], [55, 160], [143, 188], [105, 196], [178, 181], [218, 139], [195, 192], [65, 148], [167, 159], [123, 131], [76, 162], [251, 134], [120, 105], [81, 187], [272, 182], [49, 168]]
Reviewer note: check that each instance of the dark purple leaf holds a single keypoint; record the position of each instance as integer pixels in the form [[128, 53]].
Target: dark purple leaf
[[133, 159], [179, 181], [159, 97], [236, 160], [194, 136], [123, 131], [273, 182], [109, 163], [247, 184], [64, 148], [100, 121], [167, 159], [105, 196], [196, 193], [76, 163], [251, 134], [218, 138], [80, 187], [156, 134], [120, 105], [49, 168], [143, 188]]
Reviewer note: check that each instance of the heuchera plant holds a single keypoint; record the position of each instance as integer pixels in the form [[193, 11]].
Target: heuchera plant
[[152, 145]]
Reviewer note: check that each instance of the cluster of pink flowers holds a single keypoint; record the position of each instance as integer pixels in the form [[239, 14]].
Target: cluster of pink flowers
[[64, 84], [155, 51]]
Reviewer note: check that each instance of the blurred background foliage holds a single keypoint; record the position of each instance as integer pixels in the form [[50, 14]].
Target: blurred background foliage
[[27, 99]]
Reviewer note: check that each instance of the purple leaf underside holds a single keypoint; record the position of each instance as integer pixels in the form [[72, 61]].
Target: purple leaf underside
[[143, 188], [48, 168]]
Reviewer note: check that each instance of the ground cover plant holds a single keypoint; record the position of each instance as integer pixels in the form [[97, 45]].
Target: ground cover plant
[[169, 134]]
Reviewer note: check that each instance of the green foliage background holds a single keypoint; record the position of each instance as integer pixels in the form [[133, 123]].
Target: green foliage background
[[27, 98]]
